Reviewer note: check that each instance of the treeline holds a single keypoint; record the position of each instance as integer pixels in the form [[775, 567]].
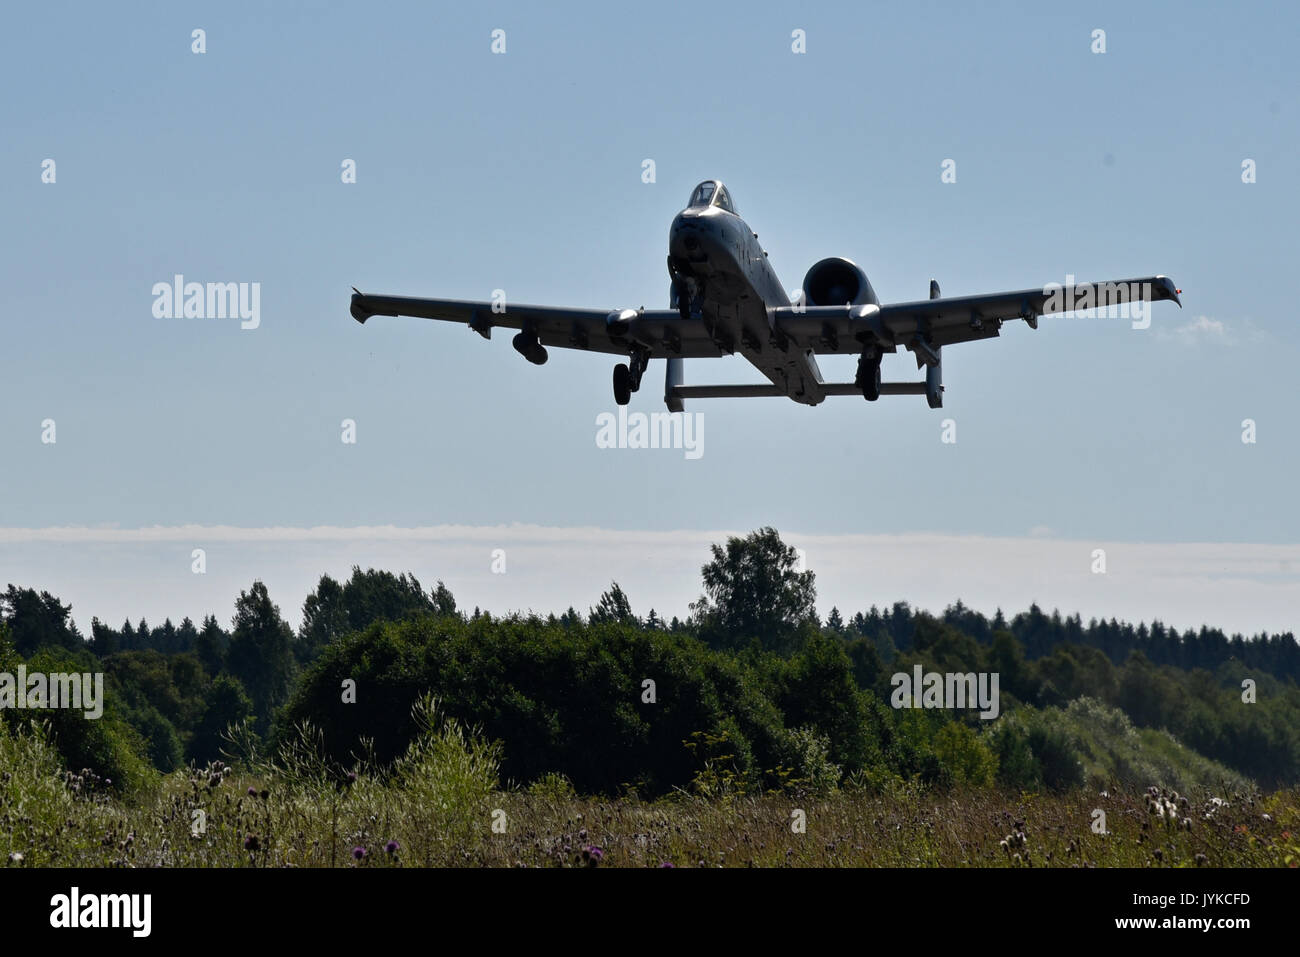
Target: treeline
[[334, 609], [750, 691], [1039, 634]]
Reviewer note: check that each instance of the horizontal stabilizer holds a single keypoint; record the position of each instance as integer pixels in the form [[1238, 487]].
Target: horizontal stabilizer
[[725, 391], [757, 391]]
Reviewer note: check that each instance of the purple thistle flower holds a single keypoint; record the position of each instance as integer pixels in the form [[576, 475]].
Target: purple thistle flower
[[358, 852], [252, 791], [667, 864], [392, 847]]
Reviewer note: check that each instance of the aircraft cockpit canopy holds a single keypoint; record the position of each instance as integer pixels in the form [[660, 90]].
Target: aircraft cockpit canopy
[[712, 193]]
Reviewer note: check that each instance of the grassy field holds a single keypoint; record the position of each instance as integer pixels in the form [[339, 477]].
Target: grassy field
[[440, 805]]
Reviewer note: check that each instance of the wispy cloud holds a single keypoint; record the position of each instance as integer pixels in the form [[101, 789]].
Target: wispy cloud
[[1208, 330], [1203, 327]]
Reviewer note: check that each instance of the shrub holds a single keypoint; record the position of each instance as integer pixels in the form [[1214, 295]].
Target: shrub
[[966, 757]]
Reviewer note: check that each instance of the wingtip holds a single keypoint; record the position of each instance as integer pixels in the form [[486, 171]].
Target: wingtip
[[359, 312], [1173, 291]]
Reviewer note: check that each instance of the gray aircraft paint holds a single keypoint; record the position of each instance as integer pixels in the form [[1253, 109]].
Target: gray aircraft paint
[[725, 298]]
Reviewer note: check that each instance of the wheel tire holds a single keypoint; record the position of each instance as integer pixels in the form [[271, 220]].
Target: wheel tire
[[871, 388], [622, 384]]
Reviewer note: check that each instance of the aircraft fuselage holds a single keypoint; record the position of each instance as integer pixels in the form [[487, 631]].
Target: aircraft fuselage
[[722, 276]]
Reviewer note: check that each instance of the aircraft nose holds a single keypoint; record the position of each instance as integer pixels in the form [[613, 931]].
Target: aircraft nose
[[687, 236]]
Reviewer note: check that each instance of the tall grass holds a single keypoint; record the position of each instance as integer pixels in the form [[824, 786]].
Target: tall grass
[[440, 804]]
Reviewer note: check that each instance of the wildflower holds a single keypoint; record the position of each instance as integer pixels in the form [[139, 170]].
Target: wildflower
[[1201, 860], [358, 852], [251, 843], [667, 864], [392, 847], [16, 858], [252, 791]]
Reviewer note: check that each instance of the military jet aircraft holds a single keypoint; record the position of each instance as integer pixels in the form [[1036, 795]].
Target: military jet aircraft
[[725, 298]]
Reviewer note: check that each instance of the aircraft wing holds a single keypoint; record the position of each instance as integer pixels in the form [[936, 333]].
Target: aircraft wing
[[594, 330], [844, 330]]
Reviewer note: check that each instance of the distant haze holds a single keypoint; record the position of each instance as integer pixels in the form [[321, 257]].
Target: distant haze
[[119, 573]]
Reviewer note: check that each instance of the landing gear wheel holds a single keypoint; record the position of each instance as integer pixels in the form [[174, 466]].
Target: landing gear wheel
[[622, 384], [871, 387], [869, 376]]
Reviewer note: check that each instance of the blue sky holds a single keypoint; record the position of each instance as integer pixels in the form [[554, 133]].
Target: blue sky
[[523, 172]]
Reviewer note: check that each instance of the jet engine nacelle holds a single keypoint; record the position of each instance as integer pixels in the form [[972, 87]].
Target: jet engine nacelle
[[619, 321], [836, 281]]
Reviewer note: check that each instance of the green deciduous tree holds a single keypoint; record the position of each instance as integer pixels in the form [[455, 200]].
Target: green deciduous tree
[[755, 592], [613, 607], [261, 651], [227, 704], [37, 620]]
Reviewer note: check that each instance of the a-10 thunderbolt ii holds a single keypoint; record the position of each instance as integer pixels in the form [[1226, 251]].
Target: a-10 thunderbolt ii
[[725, 298]]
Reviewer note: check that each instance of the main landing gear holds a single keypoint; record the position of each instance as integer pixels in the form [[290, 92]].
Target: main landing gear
[[868, 378], [627, 376]]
